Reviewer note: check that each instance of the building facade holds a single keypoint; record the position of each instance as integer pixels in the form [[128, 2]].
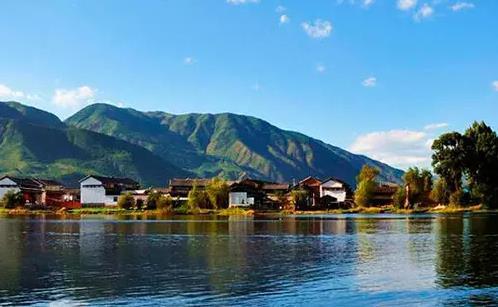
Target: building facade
[[104, 191]]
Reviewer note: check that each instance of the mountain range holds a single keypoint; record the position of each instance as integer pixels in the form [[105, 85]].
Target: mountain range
[[153, 147]]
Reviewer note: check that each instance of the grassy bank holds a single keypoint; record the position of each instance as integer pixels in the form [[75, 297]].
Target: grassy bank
[[238, 211]]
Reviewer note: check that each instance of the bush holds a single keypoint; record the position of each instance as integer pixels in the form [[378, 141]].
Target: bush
[[126, 201], [164, 202], [12, 200], [217, 191], [197, 199], [299, 199], [399, 198]]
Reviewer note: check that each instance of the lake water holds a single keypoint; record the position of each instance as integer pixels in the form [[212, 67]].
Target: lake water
[[319, 260]]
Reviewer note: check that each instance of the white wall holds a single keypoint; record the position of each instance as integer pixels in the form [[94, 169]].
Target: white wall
[[95, 195], [239, 199], [8, 182], [330, 188]]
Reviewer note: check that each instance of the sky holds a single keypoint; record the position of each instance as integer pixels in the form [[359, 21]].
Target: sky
[[376, 77]]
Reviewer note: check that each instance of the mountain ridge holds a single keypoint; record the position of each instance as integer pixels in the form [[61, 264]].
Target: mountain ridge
[[227, 144]]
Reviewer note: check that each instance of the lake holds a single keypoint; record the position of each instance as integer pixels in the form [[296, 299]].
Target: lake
[[305, 260]]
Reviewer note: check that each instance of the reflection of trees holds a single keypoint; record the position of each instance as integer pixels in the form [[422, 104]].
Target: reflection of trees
[[466, 251], [106, 259]]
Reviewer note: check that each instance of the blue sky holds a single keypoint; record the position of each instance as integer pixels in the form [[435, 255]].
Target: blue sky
[[377, 77]]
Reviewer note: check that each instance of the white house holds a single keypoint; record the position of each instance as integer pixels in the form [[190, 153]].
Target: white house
[[240, 199], [334, 188], [104, 191], [7, 184]]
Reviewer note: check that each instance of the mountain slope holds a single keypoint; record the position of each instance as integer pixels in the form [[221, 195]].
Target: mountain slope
[[36, 143], [227, 144]]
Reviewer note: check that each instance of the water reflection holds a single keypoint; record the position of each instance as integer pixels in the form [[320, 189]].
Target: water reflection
[[240, 260]]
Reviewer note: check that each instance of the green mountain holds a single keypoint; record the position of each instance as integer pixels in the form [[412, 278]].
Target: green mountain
[[37, 143], [227, 144]]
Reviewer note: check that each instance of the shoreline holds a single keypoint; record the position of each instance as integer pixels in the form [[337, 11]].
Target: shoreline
[[239, 212]]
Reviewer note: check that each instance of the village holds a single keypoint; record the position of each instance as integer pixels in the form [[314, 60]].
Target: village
[[105, 192]]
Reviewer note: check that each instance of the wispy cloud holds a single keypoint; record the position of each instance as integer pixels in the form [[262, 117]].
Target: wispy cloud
[[74, 98], [368, 3], [189, 60], [406, 5], [369, 82], [284, 19], [435, 126], [280, 9], [425, 11], [400, 148], [8, 93], [317, 29], [459, 6], [320, 68], [494, 84], [239, 2]]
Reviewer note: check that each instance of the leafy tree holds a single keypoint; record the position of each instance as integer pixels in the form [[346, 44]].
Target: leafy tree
[[217, 191], [440, 194], [399, 198], [197, 199], [419, 183], [126, 201], [164, 202], [482, 163], [12, 200], [299, 198], [449, 159], [366, 185]]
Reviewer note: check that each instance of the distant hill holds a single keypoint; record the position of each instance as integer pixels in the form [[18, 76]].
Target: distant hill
[[227, 144], [37, 143]]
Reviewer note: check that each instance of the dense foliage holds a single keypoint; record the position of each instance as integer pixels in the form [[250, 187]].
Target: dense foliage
[[217, 191], [11, 200], [126, 201], [473, 156], [416, 189], [366, 185]]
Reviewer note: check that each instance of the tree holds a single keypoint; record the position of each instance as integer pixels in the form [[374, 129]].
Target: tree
[[450, 158], [419, 185], [217, 191], [440, 194], [482, 163], [197, 199], [12, 200], [156, 200], [126, 201], [299, 198], [366, 185]]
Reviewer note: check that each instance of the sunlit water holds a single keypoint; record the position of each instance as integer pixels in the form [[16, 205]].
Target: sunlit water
[[321, 260]]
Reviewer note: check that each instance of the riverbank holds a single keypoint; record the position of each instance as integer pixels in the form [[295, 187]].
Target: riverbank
[[238, 211]]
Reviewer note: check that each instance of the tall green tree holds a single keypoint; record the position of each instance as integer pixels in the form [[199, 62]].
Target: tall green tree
[[482, 163], [197, 198], [366, 185], [440, 194], [450, 159], [217, 191]]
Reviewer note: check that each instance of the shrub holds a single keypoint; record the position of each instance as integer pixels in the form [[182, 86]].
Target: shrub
[[126, 201], [164, 202], [12, 200], [217, 192], [197, 199]]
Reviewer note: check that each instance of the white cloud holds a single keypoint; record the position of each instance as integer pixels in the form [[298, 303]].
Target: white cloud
[[369, 82], [74, 98], [280, 9], [425, 11], [8, 93], [406, 5], [284, 19], [317, 29], [400, 148], [462, 6], [494, 84], [436, 126], [189, 60], [239, 2], [320, 68], [367, 3]]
